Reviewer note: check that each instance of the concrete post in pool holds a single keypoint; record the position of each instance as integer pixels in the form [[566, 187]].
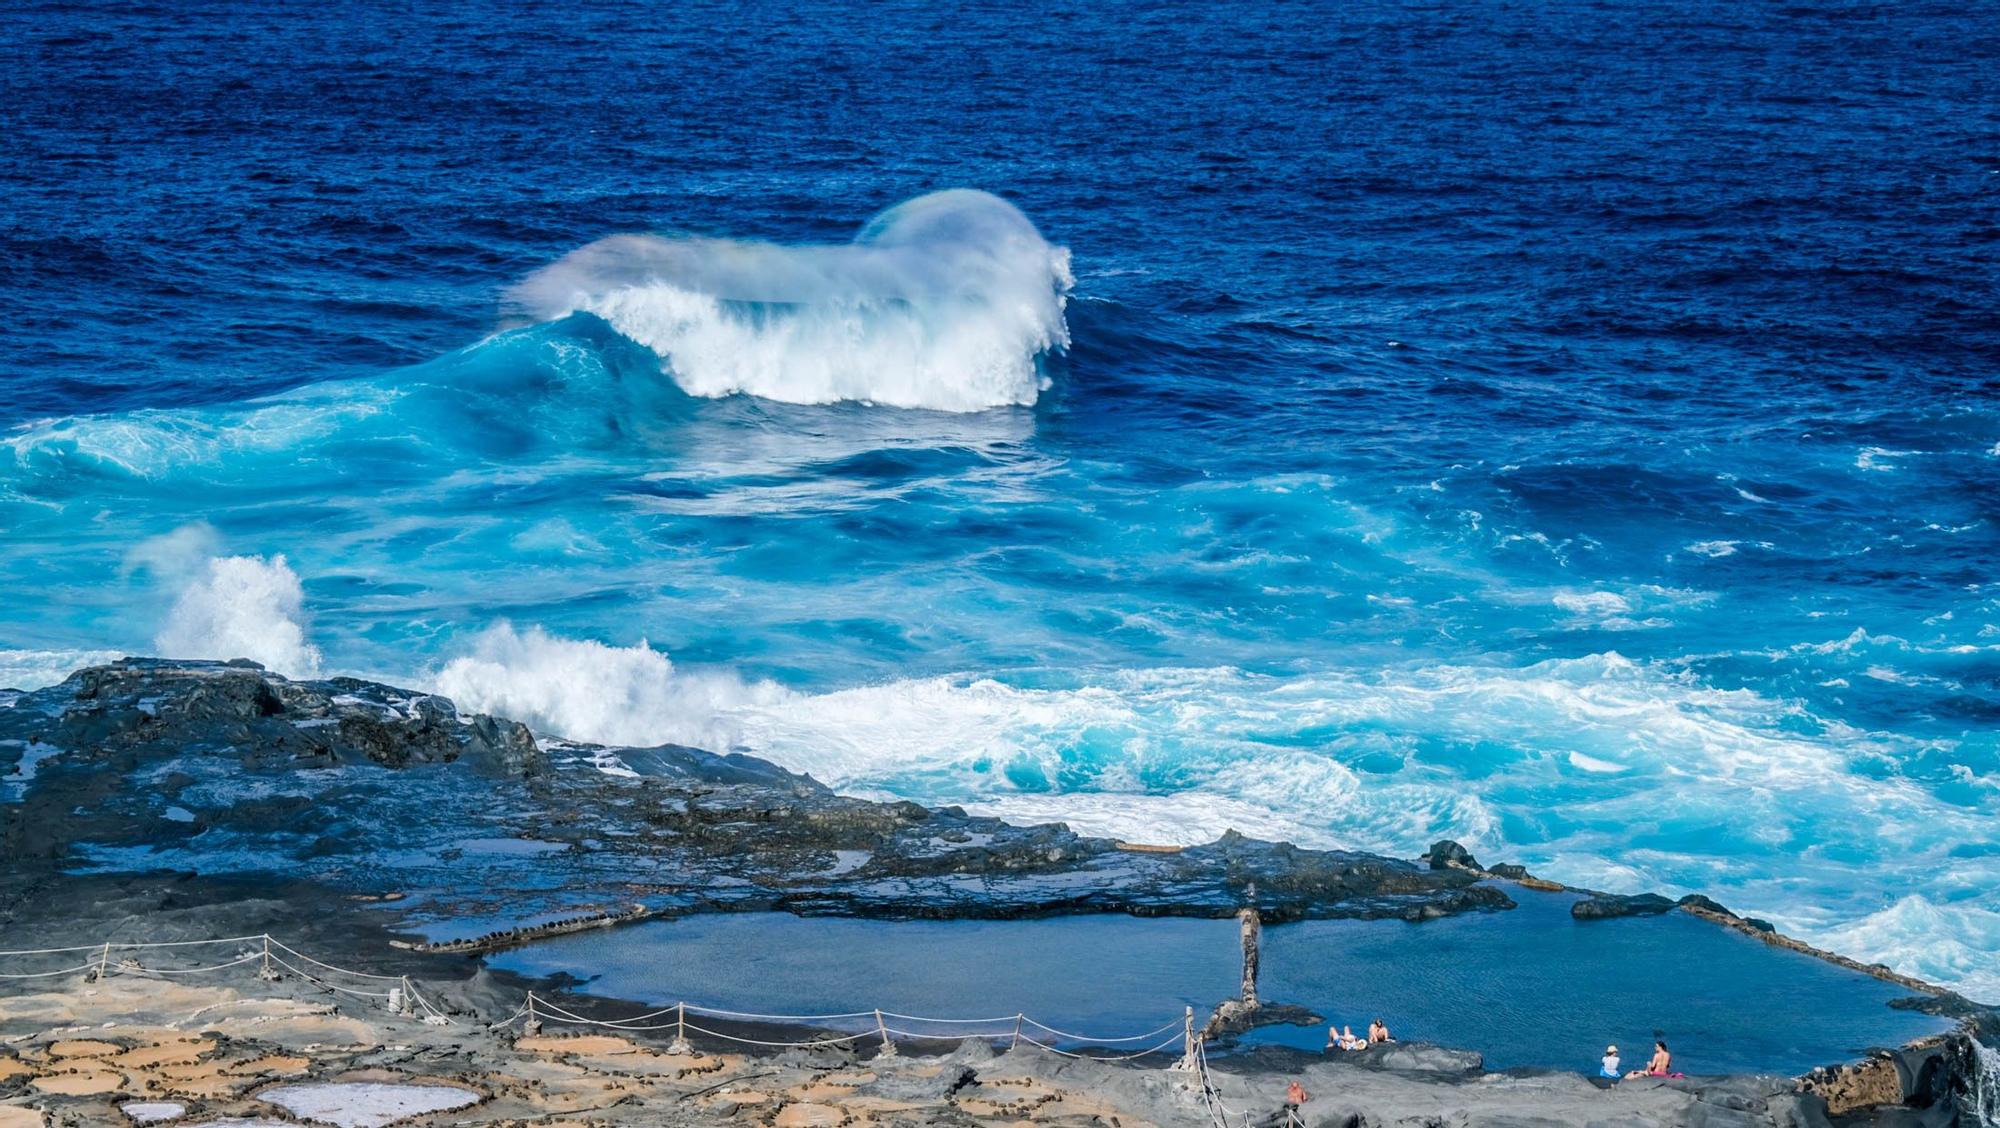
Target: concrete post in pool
[[1253, 928]]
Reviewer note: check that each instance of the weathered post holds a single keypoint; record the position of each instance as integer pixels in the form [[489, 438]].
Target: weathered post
[[1253, 930], [882, 1028], [533, 1025], [680, 1043]]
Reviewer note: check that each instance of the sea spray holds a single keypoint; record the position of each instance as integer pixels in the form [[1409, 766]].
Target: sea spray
[[944, 302], [242, 607], [1984, 1087], [586, 690]]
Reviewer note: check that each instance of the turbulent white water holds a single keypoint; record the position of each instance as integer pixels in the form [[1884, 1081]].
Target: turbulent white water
[[946, 302], [242, 607], [604, 694], [1986, 1086]]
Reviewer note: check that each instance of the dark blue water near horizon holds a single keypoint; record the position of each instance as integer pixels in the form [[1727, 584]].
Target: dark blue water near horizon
[[1570, 429]]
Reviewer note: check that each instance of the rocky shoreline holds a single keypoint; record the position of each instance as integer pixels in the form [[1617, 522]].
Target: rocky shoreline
[[197, 799]]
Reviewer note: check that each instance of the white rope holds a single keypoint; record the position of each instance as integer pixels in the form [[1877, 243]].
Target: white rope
[[431, 1008], [715, 1013], [238, 961], [952, 1021], [52, 974], [276, 943], [308, 976], [1101, 1057], [755, 1042], [518, 1012], [117, 946], [1174, 1025]]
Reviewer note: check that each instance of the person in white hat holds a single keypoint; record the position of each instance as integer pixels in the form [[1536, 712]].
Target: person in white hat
[[1610, 1063]]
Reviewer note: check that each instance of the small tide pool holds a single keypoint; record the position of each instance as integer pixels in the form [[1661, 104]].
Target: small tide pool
[[1530, 987]]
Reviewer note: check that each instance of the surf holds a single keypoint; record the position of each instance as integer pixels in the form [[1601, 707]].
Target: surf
[[947, 302]]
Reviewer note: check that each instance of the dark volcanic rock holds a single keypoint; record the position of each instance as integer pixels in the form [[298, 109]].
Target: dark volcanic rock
[[1607, 906], [1417, 1057], [1447, 854], [226, 768]]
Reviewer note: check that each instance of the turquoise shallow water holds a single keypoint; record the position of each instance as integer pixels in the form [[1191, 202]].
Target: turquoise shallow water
[[1568, 430], [1530, 987]]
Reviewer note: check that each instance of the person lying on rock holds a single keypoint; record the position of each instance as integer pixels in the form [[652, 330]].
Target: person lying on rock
[[1378, 1033], [1662, 1064], [1342, 1038]]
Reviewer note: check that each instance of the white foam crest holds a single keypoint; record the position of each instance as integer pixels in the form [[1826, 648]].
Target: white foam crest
[[946, 302], [585, 690], [242, 607]]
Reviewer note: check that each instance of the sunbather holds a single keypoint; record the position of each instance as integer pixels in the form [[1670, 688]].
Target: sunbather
[[1662, 1064]]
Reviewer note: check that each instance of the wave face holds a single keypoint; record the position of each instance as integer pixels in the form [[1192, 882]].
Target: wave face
[[1616, 499], [947, 302]]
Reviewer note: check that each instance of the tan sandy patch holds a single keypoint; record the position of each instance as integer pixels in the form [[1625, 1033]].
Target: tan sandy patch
[[20, 1118], [590, 1045], [87, 1084], [11, 1068], [808, 1116]]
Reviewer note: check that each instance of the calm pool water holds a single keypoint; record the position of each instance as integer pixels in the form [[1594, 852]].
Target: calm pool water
[[1526, 988]]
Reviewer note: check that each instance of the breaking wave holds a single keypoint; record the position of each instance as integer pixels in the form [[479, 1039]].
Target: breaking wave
[[585, 690], [947, 301], [242, 607]]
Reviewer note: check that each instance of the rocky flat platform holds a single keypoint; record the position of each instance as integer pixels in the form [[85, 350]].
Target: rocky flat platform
[[226, 768]]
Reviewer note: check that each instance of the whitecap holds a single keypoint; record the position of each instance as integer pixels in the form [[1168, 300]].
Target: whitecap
[[947, 301]]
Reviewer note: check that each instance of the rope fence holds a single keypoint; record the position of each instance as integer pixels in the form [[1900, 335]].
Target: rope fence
[[399, 993]]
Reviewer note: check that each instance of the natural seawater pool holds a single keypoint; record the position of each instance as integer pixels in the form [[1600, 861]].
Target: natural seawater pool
[[1530, 987]]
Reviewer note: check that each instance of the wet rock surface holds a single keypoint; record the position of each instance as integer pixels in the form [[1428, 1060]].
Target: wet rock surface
[[224, 768], [1606, 907]]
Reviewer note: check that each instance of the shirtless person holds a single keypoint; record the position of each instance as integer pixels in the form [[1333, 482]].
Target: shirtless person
[[1661, 1065]]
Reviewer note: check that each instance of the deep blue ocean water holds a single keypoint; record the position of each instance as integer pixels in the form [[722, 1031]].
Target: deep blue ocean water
[[1569, 429]]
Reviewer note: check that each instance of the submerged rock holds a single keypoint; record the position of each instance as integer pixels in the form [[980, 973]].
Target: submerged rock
[[1607, 906]]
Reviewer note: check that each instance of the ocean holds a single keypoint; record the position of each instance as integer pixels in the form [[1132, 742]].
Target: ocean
[[1573, 430]]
